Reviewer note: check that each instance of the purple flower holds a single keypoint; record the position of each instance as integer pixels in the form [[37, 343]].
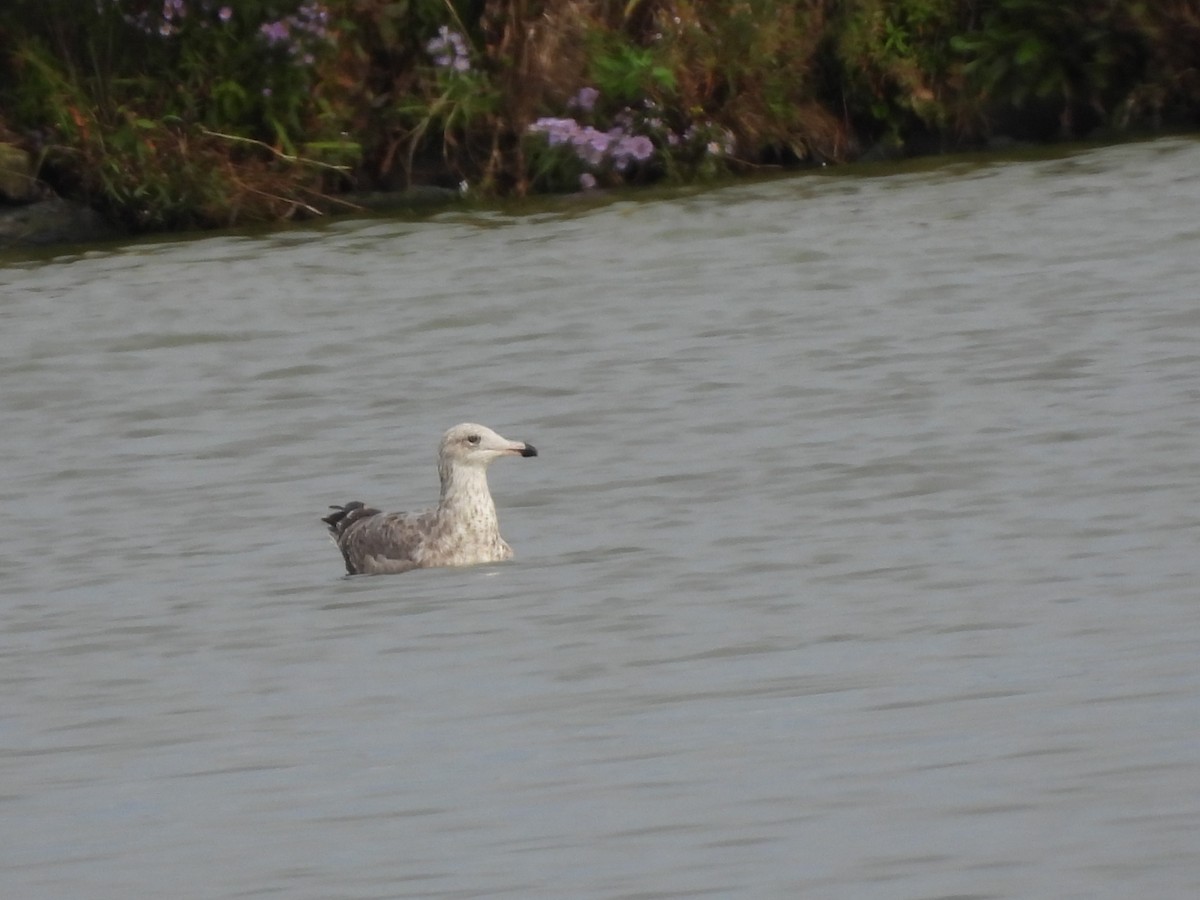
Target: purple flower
[[449, 50], [587, 181], [298, 33], [225, 13], [557, 131], [593, 146], [275, 32], [635, 148], [585, 100]]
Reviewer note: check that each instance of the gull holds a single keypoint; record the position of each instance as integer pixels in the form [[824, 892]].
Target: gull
[[461, 531]]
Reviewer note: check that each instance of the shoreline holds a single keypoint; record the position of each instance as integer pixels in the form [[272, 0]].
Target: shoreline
[[150, 118], [50, 221]]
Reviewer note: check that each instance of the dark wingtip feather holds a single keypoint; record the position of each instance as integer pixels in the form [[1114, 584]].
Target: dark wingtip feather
[[344, 516]]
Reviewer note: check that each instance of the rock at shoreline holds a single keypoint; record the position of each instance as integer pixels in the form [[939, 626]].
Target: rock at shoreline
[[32, 216], [17, 181], [52, 221]]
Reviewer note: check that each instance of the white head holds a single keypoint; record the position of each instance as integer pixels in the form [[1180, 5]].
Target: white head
[[477, 445]]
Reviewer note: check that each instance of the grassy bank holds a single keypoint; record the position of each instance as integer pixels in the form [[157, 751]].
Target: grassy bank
[[183, 113]]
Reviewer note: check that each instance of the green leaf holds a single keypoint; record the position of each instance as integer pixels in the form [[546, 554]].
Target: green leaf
[[1029, 50]]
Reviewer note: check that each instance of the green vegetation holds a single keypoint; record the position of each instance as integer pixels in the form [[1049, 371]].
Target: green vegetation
[[183, 113]]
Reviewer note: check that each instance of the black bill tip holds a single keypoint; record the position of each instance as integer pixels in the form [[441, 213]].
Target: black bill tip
[[529, 450]]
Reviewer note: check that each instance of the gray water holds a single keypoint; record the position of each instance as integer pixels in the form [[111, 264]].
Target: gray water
[[860, 560]]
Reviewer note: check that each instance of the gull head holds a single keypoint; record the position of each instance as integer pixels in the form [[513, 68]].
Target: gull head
[[477, 445]]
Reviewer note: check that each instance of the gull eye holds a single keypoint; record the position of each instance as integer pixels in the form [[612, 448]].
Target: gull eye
[[473, 439]]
